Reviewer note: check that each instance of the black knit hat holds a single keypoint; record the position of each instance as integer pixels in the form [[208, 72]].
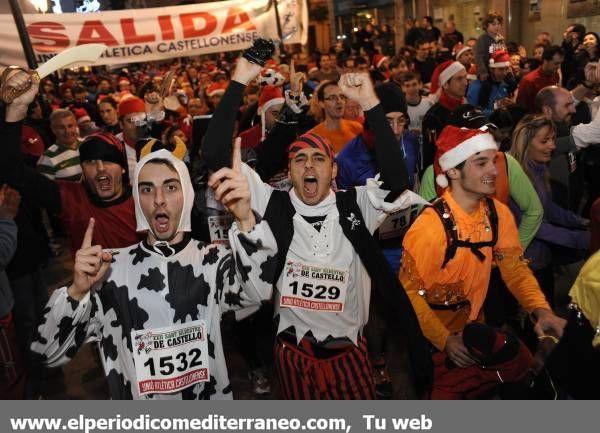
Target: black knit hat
[[391, 98], [103, 146]]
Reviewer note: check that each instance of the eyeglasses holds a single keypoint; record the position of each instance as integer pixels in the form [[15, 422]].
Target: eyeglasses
[[336, 98]]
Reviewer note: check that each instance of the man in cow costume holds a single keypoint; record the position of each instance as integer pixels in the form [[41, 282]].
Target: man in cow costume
[[155, 307]]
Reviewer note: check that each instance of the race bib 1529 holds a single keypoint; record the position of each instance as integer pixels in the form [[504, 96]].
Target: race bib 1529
[[314, 287]]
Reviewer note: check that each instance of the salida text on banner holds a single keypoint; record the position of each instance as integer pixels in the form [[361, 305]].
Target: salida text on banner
[[140, 35]]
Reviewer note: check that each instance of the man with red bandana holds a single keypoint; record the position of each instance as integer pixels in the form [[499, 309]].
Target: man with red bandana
[[327, 254]]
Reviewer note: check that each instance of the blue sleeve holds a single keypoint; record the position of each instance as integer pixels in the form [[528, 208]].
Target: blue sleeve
[[473, 92], [563, 217], [577, 239], [344, 178]]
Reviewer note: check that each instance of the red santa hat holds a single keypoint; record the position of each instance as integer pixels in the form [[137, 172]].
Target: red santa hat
[[378, 60], [216, 88], [81, 115], [271, 64], [448, 69], [472, 72], [269, 96], [132, 104], [270, 77], [456, 145], [459, 49], [499, 59]]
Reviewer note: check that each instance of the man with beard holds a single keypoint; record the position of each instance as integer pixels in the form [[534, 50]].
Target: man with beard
[[155, 307], [446, 267], [545, 75], [102, 194], [559, 105], [328, 257]]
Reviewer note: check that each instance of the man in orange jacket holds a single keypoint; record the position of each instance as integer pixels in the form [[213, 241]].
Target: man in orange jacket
[[446, 266]]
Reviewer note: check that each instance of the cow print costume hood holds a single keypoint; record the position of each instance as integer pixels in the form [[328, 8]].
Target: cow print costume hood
[[145, 291], [186, 184]]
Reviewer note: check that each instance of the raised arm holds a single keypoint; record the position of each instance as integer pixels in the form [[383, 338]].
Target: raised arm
[[23, 178], [388, 155], [272, 151], [245, 275], [216, 146]]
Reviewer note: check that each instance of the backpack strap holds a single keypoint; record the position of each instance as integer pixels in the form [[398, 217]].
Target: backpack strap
[[453, 242], [445, 214], [493, 217]]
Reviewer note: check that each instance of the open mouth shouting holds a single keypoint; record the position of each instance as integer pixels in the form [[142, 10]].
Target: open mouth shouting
[[103, 183], [161, 222], [310, 186]]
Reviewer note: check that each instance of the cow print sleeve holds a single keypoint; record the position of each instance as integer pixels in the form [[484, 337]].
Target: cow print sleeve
[[246, 274], [66, 324]]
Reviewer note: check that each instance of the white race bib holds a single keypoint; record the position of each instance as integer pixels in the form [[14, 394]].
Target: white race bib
[[396, 224], [170, 359], [218, 226], [315, 287]]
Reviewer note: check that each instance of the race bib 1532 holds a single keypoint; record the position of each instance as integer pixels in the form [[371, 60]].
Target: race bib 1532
[[170, 359]]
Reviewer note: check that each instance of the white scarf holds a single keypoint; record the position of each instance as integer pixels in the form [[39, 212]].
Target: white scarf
[[323, 208]]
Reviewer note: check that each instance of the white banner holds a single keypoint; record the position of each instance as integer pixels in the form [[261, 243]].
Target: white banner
[[140, 35]]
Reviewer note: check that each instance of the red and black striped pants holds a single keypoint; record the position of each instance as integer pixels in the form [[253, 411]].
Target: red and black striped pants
[[346, 375]]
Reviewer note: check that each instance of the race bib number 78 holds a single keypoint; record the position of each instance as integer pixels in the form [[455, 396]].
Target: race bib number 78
[[170, 359], [397, 224]]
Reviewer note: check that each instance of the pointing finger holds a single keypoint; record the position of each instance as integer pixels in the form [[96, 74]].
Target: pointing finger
[[236, 155], [89, 234]]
